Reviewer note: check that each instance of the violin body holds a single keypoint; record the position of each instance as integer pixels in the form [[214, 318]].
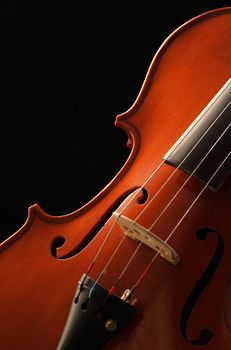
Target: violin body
[[41, 264]]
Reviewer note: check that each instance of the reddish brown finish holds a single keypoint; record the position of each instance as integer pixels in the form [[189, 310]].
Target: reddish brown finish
[[36, 289]]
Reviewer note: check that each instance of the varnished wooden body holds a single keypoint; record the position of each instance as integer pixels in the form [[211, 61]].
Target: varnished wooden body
[[37, 289]]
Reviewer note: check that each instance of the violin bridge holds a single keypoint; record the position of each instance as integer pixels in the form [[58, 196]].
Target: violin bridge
[[141, 234]]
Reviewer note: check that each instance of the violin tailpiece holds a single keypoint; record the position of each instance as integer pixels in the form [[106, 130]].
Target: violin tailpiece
[[94, 317]]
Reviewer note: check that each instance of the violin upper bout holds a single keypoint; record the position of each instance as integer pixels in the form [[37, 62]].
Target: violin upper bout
[[33, 212]]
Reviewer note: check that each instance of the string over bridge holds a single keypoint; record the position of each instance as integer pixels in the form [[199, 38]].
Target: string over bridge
[[141, 234]]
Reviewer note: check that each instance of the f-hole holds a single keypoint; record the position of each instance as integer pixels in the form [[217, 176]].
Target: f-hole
[[205, 334], [143, 197], [60, 240]]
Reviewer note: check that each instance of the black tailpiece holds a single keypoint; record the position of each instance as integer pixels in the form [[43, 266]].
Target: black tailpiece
[[93, 320]]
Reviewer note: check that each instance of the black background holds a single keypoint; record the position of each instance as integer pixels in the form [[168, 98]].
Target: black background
[[67, 70]]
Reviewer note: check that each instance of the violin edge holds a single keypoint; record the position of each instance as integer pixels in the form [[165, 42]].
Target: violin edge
[[121, 119]]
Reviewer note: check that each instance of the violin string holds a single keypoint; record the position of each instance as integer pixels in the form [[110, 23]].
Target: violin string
[[180, 189], [178, 224], [189, 177], [90, 267], [156, 194], [177, 168], [104, 270]]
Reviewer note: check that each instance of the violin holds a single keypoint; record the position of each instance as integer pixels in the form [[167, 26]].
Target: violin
[[145, 263]]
